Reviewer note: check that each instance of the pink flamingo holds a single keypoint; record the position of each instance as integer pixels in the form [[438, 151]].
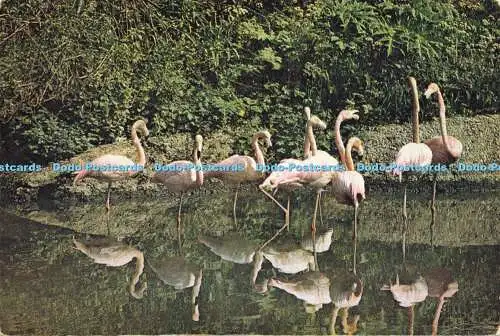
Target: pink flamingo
[[445, 149], [117, 160], [322, 157], [298, 178], [349, 186], [326, 157], [250, 173], [181, 176], [414, 153], [282, 172]]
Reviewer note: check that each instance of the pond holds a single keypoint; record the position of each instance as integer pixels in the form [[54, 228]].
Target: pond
[[50, 285]]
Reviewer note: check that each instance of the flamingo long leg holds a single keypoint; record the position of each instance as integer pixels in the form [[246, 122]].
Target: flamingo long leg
[[313, 230], [287, 214], [333, 319], [355, 230], [433, 209], [179, 223], [274, 200], [411, 318], [108, 207], [405, 223], [320, 209], [234, 204], [354, 257], [435, 322], [107, 223], [287, 218]]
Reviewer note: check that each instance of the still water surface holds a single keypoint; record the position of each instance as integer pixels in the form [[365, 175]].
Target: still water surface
[[47, 286]]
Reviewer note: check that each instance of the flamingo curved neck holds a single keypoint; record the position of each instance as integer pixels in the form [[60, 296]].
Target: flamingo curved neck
[[195, 293], [437, 314], [352, 143], [139, 268], [415, 109], [307, 143], [259, 156], [338, 139], [442, 120], [197, 162], [141, 156], [313, 149]]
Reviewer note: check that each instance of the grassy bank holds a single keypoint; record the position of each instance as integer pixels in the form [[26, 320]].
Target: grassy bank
[[478, 135]]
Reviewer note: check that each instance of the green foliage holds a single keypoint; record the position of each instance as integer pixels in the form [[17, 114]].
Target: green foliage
[[76, 74]]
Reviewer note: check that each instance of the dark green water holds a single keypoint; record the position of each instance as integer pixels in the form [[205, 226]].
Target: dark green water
[[48, 287]]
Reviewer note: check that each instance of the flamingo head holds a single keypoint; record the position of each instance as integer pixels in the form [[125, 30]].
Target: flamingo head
[[267, 138], [431, 89], [198, 140], [317, 122], [307, 112], [349, 114], [357, 145], [140, 125]]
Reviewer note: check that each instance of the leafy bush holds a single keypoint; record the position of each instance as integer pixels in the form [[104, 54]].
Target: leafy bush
[[76, 74]]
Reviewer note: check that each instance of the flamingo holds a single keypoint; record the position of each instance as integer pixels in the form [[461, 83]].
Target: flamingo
[[445, 149], [293, 179], [250, 172], [279, 178], [413, 154], [115, 253], [322, 157], [349, 186], [117, 160], [181, 176]]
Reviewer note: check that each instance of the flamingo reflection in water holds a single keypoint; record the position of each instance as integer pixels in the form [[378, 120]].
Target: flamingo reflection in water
[[176, 271], [286, 256], [441, 286], [408, 295], [342, 289], [115, 253]]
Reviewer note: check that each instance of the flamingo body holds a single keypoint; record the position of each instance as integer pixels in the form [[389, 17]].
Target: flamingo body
[[249, 172], [408, 295], [412, 155], [349, 188], [108, 176], [311, 287], [180, 180], [115, 174], [289, 258], [439, 152]]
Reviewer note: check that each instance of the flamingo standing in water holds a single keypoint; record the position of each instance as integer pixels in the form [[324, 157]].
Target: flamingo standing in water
[[445, 149], [119, 161], [181, 176], [322, 157], [301, 177], [349, 186], [413, 154], [250, 172], [279, 179]]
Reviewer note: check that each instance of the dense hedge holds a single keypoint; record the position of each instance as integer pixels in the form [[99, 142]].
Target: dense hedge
[[75, 74]]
